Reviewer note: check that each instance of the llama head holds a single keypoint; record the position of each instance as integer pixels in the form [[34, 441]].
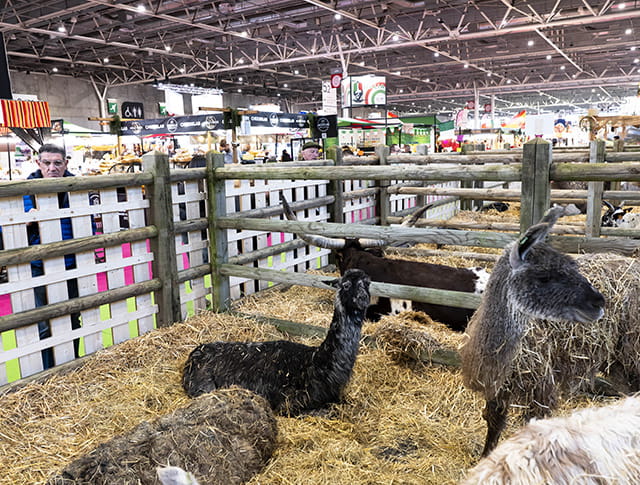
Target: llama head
[[545, 283], [353, 290]]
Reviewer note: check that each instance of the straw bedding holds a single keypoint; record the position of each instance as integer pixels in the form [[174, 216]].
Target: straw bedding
[[223, 437], [402, 421]]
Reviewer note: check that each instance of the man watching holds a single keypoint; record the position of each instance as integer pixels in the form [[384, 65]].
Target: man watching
[[311, 150], [52, 162]]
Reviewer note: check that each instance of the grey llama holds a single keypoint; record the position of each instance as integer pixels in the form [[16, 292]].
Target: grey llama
[[293, 377], [532, 283]]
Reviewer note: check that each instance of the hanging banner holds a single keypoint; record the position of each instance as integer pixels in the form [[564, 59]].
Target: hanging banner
[[24, 114], [286, 121], [364, 91], [202, 123], [175, 124]]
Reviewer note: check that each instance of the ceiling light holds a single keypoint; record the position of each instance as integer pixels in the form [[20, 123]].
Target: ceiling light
[[240, 79], [239, 90], [530, 43], [62, 29], [628, 31], [337, 16], [488, 74], [240, 61], [141, 8], [508, 81], [167, 48], [105, 60], [593, 90], [296, 72], [436, 54], [621, 5], [278, 94], [548, 57], [466, 66], [633, 47], [55, 69], [427, 80], [286, 85], [395, 37], [244, 33], [362, 63], [562, 68], [401, 90], [636, 60]]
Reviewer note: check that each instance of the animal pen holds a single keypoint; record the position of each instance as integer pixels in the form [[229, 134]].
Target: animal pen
[[157, 246]]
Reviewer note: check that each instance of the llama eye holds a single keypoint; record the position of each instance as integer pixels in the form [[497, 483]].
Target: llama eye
[[346, 285]]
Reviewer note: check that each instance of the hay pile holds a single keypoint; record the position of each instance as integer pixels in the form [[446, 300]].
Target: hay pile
[[570, 355], [412, 336], [409, 424], [223, 437]]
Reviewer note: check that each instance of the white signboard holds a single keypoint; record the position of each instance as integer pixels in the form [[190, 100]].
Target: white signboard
[[364, 91], [329, 99]]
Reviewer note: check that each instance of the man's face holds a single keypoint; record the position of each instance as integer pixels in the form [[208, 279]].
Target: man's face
[[52, 164], [310, 153]]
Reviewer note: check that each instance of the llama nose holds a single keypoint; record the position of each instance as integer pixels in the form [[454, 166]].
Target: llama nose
[[598, 300]]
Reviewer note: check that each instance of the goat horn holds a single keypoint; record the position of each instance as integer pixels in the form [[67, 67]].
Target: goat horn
[[372, 243], [320, 241], [411, 220], [608, 204]]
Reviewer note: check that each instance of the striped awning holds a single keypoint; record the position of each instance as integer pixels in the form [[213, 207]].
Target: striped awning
[[24, 114]]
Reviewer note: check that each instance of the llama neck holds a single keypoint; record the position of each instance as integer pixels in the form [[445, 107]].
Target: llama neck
[[343, 338]]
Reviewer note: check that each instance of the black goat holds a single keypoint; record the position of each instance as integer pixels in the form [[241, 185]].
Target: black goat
[[293, 377]]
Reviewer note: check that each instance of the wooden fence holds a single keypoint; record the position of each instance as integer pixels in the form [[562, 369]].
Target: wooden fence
[[154, 247]]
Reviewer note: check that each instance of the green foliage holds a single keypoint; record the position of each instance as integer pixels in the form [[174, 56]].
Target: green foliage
[[231, 118], [115, 125]]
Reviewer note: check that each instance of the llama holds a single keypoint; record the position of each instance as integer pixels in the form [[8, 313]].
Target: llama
[[293, 377], [532, 283], [591, 446]]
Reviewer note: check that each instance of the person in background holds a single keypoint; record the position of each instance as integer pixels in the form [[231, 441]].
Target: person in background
[[246, 156], [225, 149], [52, 162], [311, 150], [286, 157]]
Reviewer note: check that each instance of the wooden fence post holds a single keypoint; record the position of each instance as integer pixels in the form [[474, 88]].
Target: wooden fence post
[[384, 205], [594, 194], [218, 243], [466, 204], [535, 192], [618, 146], [336, 210], [163, 247]]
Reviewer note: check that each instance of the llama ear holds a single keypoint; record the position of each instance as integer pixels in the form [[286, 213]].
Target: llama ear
[[534, 235]]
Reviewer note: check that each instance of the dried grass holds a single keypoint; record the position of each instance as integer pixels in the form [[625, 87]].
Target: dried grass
[[403, 424]]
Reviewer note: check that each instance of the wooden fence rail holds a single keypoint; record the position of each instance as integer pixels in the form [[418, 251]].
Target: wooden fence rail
[[172, 242]]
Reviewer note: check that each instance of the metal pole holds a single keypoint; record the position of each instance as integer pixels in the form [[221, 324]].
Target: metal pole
[[5, 79]]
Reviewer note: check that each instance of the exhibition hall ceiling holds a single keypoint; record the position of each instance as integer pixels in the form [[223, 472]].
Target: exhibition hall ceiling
[[556, 55]]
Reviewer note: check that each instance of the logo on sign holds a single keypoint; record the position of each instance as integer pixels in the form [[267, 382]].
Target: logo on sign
[[172, 125], [323, 124], [136, 127], [336, 80], [210, 122], [273, 119], [301, 120]]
